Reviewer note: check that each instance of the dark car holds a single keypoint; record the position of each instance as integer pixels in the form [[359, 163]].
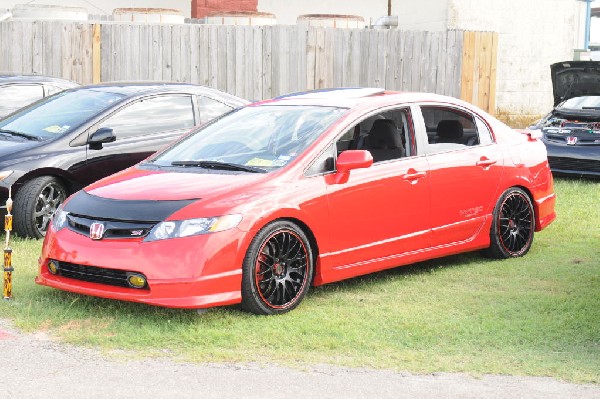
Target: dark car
[[571, 131], [58, 145], [18, 91]]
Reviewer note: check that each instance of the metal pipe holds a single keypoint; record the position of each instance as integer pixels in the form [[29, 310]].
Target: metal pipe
[[588, 22], [386, 22]]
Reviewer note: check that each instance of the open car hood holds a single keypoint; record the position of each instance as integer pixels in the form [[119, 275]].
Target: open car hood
[[574, 79]]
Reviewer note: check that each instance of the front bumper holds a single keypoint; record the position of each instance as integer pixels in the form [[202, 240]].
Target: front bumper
[[574, 160], [192, 272]]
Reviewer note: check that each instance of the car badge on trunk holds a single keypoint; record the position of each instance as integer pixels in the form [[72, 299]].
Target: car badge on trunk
[[96, 231], [571, 140]]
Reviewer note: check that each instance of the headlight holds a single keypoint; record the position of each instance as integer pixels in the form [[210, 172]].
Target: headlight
[[192, 227], [59, 220]]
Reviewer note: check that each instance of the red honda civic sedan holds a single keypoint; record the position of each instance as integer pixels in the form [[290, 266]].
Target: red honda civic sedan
[[302, 190]]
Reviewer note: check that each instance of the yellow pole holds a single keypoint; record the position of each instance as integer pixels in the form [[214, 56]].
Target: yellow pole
[[8, 269]]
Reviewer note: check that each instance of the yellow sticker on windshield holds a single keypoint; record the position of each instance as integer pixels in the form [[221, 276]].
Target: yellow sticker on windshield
[[259, 162], [56, 129]]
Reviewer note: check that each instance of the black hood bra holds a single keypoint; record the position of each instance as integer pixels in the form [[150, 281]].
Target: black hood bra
[[85, 204]]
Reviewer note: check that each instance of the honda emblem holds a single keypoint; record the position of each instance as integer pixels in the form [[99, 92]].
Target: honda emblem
[[571, 140], [96, 231]]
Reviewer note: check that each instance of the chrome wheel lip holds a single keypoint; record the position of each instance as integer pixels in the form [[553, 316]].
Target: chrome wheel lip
[[515, 223], [281, 269]]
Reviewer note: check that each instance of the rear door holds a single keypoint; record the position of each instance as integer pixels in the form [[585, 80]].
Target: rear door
[[465, 171]]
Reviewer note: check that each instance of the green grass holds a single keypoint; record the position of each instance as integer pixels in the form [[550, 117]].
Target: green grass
[[536, 315]]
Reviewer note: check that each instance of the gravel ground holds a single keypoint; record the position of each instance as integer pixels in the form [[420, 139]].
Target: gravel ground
[[35, 366]]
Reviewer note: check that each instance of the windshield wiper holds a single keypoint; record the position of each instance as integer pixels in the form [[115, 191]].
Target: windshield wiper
[[596, 108], [219, 165], [19, 134]]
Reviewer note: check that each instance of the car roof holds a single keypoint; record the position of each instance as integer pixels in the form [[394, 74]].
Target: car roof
[[355, 97], [9, 77], [133, 89]]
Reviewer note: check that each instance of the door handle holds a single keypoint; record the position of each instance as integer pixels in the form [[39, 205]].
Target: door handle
[[485, 163], [413, 176]]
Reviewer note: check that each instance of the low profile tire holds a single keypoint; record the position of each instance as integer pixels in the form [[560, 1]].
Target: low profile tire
[[512, 229], [35, 204], [277, 269]]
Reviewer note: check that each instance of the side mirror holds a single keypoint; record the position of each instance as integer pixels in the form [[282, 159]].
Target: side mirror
[[101, 136], [349, 160]]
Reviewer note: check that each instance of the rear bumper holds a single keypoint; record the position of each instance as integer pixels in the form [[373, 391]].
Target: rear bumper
[[545, 211]]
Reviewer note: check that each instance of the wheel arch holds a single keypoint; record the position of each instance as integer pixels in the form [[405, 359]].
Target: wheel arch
[[69, 184], [306, 229], [536, 210]]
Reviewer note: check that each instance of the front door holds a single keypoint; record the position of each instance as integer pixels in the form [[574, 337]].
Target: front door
[[382, 211]]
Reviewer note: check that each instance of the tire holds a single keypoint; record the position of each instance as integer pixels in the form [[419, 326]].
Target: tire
[[35, 204], [277, 269], [512, 229]]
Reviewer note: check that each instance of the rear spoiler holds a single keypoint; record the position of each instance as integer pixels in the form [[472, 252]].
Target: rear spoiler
[[532, 135]]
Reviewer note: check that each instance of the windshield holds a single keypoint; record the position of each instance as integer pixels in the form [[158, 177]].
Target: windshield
[[59, 114], [582, 103], [267, 137]]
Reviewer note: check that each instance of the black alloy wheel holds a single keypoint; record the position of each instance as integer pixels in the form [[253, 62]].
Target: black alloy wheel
[[277, 269], [513, 225], [35, 204]]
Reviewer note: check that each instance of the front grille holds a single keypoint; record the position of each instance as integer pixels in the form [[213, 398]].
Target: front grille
[[580, 165], [93, 274], [581, 140], [112, 228]]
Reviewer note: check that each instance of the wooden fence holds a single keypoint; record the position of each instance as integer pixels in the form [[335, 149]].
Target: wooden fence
[[257, 62]]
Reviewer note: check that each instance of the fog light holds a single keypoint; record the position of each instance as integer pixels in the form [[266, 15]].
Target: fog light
[[53, 267], [136, 280]]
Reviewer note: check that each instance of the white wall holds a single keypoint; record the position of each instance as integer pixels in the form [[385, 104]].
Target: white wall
[[533, 34], [430, 15], [96, 7], [287, 11]]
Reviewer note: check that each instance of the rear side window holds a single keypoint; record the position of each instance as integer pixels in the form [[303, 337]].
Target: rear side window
[[15, 97], [152, 115], [453, 129], [210, 109], [50, 90]]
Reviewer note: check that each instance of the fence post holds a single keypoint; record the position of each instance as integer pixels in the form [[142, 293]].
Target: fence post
[[96, 56]]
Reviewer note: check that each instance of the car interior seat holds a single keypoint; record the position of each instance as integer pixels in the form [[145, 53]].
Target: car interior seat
[[384, 141], [449, 131]]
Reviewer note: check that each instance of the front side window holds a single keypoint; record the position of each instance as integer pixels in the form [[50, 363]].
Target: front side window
[[60, 114], [266, 137], [452, 129], [386, 135], [15, 97], [152, 115]]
